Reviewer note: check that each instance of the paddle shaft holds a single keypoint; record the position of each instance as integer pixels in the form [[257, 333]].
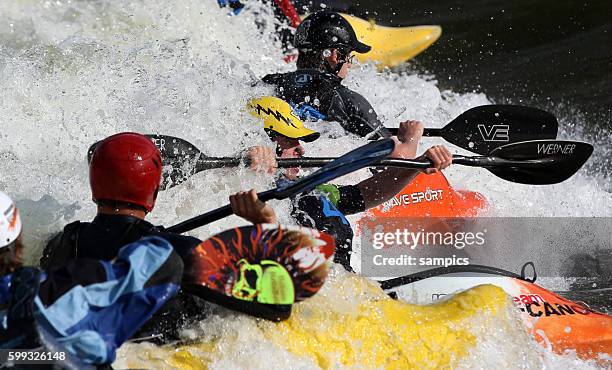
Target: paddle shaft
[[431, 132], [215, 214], [480, 161], [308, 162], [480, 269]]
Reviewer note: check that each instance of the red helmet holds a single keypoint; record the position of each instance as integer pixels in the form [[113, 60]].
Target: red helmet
[[126, 167]]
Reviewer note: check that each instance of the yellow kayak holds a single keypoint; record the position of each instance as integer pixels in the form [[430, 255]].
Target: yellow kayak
[[392, 46], [350, 324]]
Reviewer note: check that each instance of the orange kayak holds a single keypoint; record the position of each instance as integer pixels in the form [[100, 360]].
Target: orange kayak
[[431, 196], [554, 321]]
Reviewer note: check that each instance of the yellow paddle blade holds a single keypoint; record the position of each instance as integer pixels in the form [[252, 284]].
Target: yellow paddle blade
[[392, 46], [278, 116]]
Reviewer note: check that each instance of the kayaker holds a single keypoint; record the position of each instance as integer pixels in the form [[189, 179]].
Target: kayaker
[[125, 173], [326, 208], [285, 16], [325, 41], [84, 310]]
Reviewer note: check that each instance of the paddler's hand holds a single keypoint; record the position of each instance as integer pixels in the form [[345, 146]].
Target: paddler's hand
[[247, 205], [262, 159], [407, 141], [440, 156]]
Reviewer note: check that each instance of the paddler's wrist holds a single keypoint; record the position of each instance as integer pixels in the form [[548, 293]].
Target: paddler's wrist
[[404, 150], [410, 131]]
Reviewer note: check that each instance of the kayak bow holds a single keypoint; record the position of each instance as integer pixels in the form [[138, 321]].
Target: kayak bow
[[551, 319], [392, 46]]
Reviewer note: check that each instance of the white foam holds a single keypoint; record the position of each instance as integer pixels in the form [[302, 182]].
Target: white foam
[[73, 72]]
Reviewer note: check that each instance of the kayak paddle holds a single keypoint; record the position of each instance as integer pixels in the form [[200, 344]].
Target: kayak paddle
[[484, 128], [537, 162], [480, 269], [532, 161], [480, 130], [350, 162], [260, 270]]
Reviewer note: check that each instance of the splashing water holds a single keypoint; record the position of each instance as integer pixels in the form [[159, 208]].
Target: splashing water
[[73, 72]]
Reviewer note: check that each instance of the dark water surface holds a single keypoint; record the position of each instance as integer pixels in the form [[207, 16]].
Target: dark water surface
[[548, 53]]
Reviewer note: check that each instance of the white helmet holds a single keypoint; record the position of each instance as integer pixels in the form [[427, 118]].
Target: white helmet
[[10, 222]]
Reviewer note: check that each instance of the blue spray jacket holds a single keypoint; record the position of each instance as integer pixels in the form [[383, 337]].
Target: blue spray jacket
[[89, 307]]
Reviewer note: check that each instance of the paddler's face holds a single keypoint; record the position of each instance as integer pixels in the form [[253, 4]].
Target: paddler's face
[[289, 148], [336, 57]]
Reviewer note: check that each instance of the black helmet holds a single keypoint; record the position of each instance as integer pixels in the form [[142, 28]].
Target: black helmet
[[325, 29]]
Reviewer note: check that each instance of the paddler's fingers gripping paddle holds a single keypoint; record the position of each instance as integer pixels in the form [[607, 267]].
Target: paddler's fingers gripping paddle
[[260, 270], [482, 129], [350, 162], [182, 159], [537, 162]]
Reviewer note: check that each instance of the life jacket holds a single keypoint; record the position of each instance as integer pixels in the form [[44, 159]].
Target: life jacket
[[318, 212], [89, 307], [20, 330], [100, 239]]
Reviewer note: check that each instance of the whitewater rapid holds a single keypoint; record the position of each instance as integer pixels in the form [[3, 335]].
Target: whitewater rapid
[[74, 72]]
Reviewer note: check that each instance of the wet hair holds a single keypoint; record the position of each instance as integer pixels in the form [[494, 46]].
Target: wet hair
[[310, 59], [11, 257]]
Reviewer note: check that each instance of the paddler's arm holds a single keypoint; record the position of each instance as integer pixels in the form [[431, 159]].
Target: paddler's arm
[[354, 113], [386, 184]]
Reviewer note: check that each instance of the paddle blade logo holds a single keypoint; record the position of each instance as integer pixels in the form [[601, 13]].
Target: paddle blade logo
[[302, 79], [263, 263], [267, 282], [553, 149], [160, 143], [497, 133]]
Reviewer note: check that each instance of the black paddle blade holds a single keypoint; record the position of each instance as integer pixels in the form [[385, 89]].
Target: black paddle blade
[[179, 158], [541, 162], [261, 269], [483, 129]]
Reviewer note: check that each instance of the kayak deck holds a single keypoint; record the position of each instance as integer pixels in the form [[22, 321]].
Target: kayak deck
[[552, 320]]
